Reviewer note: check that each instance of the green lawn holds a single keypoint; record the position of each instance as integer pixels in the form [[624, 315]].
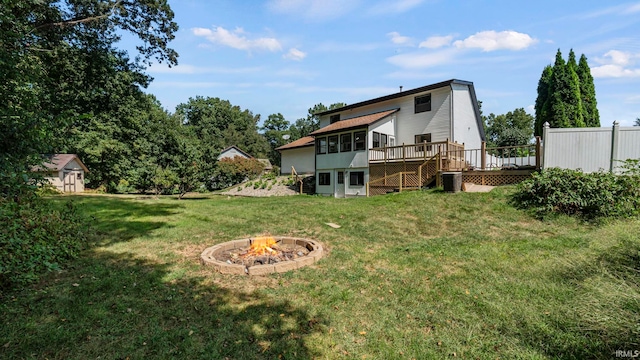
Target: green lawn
[[412, 275]]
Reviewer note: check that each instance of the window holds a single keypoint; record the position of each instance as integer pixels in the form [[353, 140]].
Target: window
[[376, 139], [423, 103], [321, 145], [345, 142], [334, 118], [423, 138], [333, 144], [324, 179], [383, 140], [356, 178], [340, 177], [79, 176], [360, 140]]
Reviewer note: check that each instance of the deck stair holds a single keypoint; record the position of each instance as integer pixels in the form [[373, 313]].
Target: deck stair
[[407, 180]]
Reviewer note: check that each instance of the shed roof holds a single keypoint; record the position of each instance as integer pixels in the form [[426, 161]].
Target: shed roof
[[355, 122], [57, 162], [302, 142]]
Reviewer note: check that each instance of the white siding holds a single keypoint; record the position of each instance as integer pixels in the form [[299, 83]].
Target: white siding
[[465, 124], [231, 153], [436, 122], [386, 126], [302, 159]]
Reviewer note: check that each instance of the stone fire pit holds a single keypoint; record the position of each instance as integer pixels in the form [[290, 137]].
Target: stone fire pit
[[262, 255]]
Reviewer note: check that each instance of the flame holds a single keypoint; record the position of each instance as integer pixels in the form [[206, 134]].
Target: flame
[[262, 246]]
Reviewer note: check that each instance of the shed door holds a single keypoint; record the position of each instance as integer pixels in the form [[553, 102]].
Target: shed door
[[69, 182]]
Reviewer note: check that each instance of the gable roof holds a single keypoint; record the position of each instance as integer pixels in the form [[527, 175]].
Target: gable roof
[[397, 95], [355, 122], [237, 149], [57, 162], [302, 142]]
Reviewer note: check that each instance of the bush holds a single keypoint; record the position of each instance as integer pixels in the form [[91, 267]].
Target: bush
[[36, 236], [599, 194], [232, 171]]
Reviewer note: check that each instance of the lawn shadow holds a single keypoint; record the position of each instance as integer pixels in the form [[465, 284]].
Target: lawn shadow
[[117, 307], [120, 219]]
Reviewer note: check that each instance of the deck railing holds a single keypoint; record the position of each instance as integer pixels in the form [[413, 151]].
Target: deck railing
[[297, 178], [503, 158], [417, 151]]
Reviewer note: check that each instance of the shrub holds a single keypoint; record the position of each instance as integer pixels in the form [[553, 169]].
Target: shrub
[[599, 194], [232, 171], [36, 236]]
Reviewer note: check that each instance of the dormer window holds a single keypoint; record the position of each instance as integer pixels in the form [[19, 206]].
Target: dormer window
[[334, 118]]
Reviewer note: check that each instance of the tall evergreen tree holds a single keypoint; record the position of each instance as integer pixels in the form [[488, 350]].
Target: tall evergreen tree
[[562, 88], [559, 83], [543, 102], [570, 91], [588, 94]]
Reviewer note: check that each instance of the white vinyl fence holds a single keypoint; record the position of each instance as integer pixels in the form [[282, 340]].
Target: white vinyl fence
[[590, 149]]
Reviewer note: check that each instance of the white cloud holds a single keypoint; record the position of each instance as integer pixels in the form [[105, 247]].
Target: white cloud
[[313, 10], [435, 42], [616, 57], [492, 40], [423, 60], [394, 6], [236, 39], [295, 54], [617, 64], [398, 39], [613, 71]]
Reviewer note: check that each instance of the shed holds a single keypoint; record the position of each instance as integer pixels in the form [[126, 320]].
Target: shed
[[64, 171], [233, 151]]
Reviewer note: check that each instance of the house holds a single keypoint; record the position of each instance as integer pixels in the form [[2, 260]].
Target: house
[[64, 171], [399, 134], [233, 151], [298, 155]]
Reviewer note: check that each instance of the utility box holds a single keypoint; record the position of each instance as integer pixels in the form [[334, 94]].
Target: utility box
[[452, 181]]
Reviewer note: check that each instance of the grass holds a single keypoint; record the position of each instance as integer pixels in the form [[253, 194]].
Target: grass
[[411, 275]]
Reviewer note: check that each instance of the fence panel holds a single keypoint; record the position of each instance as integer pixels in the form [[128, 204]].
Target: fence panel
[[590, 149]]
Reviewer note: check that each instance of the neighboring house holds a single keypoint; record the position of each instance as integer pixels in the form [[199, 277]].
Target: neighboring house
[[372, 139], [233, 151], [298, 154], [64, 171]]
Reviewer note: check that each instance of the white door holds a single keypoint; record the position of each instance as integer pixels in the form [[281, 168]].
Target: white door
[[339, 187]]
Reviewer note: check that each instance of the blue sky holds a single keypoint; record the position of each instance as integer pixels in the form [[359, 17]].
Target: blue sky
[[284, 56]]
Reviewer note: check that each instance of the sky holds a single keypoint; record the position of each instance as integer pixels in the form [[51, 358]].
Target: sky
[[284, 56]]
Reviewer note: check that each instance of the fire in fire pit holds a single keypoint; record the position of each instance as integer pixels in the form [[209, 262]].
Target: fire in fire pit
[[262, 255], [262, 246]]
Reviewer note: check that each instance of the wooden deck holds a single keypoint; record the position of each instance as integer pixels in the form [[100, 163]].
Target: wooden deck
[[415, 166]]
